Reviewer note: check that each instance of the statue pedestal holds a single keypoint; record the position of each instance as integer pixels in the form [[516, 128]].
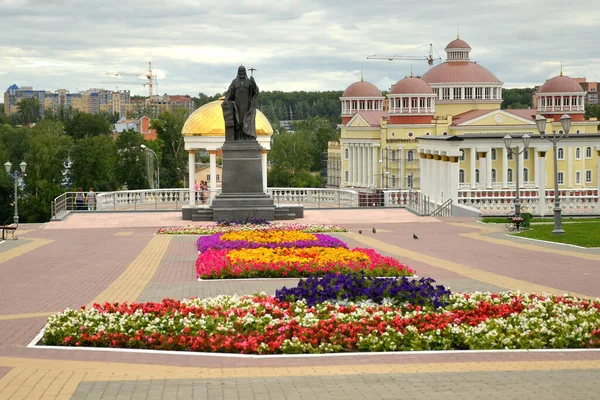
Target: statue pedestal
[[242, 193]]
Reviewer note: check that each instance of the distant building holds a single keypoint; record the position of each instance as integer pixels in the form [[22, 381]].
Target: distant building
[[158, 104], [14, 95], [139, 125]]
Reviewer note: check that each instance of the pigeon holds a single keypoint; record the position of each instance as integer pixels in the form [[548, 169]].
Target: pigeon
[[415, 236], [360, 231], [374, 230]]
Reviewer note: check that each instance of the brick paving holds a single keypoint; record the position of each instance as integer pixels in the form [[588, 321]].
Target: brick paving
[[83, 258]]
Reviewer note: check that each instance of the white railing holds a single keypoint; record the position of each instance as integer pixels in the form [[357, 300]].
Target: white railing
[[145, 199], [560, 108], [315, 197], [497, 186]]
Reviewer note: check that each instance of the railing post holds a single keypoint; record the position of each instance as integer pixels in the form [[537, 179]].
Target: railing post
[[114, 201]]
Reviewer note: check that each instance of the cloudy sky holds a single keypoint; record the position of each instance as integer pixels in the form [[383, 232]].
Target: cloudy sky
[[196, 45]]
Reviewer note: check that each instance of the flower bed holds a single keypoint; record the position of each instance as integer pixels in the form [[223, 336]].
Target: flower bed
[[210, 229], [270, 239], [295, 262], [264, 325]]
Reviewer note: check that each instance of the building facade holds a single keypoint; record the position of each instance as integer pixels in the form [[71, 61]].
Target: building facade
[[442, 133]]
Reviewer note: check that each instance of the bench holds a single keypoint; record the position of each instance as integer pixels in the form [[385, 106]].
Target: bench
[[6, 230]]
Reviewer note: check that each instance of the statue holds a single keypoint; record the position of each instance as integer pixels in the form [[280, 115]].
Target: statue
[[239, 108]]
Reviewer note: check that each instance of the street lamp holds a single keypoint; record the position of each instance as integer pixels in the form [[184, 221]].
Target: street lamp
[[15, 176], [507, 144], [565, 122], [143, 146]]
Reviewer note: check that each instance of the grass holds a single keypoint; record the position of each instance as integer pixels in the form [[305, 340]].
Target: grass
[[584, 234], [504, 220]]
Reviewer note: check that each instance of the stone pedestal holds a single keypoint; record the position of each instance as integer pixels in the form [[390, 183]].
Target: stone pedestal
[[242, 193]]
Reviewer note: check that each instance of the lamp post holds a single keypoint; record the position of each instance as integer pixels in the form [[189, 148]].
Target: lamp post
[[565, 122], [15, 176], [143, 146], [507, 144]]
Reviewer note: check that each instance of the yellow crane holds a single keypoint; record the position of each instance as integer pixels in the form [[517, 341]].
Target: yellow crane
[[152, 81], [429, 58]]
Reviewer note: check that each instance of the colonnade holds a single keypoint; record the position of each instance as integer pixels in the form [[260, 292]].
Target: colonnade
[[439, 175], [363, 160]]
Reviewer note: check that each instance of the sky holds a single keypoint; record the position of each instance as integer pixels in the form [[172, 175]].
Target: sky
[[196, 45]]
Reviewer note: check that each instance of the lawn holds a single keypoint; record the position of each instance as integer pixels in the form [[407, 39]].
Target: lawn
[[585, 234], [503, 220]]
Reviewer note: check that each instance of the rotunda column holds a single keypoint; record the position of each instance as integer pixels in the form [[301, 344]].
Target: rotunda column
[[472, 164], [192, 176], [504, 168], [541, 176], [263, 160], [212, 155]]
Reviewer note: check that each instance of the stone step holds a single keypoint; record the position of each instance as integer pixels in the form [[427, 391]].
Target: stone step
[[203, 215], [286, 216]]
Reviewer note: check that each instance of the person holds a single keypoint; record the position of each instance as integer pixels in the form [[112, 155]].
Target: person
[[202, 189], [240, 99], [91, 199], [79, 199], [196, 189]]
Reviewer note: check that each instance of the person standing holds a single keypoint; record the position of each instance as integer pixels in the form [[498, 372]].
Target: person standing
[[91, 200], [79, 199]]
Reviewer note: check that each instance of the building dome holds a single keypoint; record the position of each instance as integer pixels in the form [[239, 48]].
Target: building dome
[[459, 72], [458, 44], [561, 84], [208, 121], [362, 89], [411, 85]]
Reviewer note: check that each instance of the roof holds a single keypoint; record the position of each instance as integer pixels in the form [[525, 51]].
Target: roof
[[561, 84], [373, 118], [411, 85], [469, 115], [463, 72], [180, 99], [458, 44], [362, 89], [12, 87]]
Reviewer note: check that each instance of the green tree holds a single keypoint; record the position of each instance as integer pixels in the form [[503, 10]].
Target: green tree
[[49, 127], [517, 98], [172, 155], [93, 163], [131, 160], [318, 131], [29, 110], [112, 118], [85, 125], [15, 141]]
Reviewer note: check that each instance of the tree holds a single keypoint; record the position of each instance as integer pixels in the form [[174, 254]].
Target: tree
[[93, 163], [112, 118], [173, 157], [49, 127], [319, 132], [15, 141], [131, 160], [85, 125], [517, 98], [29, 110]]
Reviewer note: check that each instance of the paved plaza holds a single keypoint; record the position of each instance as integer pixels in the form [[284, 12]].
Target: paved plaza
[[100, 257]]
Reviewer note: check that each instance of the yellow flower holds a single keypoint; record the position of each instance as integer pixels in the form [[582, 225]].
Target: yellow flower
[[268, 236]]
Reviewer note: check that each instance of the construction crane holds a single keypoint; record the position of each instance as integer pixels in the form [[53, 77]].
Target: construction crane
[[429, 58], [149, 75]]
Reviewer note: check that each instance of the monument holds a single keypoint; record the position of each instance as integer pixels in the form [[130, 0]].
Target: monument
[[242, 193]]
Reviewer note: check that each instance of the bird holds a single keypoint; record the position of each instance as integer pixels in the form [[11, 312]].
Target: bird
[[374, 230], [360, 231], [415, 236]]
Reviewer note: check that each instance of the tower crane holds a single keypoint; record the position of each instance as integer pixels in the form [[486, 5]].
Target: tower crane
[[429, 58], [149, 75]]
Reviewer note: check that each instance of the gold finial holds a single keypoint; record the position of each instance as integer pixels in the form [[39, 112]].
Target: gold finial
[[561, 68], [361, 75], [411, 74], [457, 32]]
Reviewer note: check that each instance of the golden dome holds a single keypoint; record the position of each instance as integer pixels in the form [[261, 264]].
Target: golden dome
[[208, 121]]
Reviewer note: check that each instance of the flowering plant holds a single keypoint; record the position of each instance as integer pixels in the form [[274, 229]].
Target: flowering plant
[[217, 242], [359, 287], [294, 262], [262, 324], [209, 229]]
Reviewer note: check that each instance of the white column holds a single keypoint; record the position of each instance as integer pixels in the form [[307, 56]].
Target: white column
[[541, 176], [445, 178], [436, 178], [504, 168], [521, 167], [370, 166], [473, 154], [212, 154], [482, 171], [263, 160], [489, 163], [364, 165], [350, 164], [355, 165], [400, 158], [536, 170], [570, 166], [453, 179], [192, 176]]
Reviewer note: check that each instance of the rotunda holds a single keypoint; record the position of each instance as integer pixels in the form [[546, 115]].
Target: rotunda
[[411, 100], [360, 96], [560, 95]]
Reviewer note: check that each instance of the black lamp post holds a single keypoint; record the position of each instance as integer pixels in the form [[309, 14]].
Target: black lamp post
[[507, 144], [565, 122], [15, 176]]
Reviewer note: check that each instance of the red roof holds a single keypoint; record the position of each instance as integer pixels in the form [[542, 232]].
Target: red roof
[[458, 44], [459, 72], [180, 99], [362, 89], [561, 84], [411, 86], [373, 118]]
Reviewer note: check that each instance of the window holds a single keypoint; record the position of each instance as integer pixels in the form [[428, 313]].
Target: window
[[525, 174], [477, 175], [456, 92], [409, 181], [461, 176], [468, 93], [588, 152], [208, 177], [509, 175], [445, 93], [494, 154], [561, 178], [577, 153], [493, 175], [509, 154], [393, 155], [410, 156], [578, 177], [561, 154], [478, 92], [346, 176], [526, 155], [487, 93], [588, 176], [218, 178], [462, 155], [410, 134], [445, 133], [476, 154], [393, 180], [346, 154]]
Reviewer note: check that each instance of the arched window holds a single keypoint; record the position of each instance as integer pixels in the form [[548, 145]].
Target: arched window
[[410, 156], [462, 155], [588, 152], [493, 174], [526, 174], [445, 133], [509, 175], [561, 154], [477, 175], [461, 176], [526, 154], [409, 181], [494, 154], [346, 154], [577, 153]]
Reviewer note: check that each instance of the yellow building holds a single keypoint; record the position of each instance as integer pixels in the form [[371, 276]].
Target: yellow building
[[443, 134]]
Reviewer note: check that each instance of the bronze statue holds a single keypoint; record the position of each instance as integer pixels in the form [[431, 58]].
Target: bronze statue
[[239, 108]]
